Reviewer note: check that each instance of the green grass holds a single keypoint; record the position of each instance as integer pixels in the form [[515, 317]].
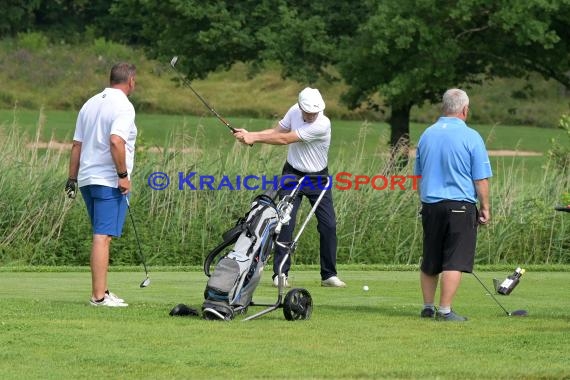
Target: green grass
[[206, 133], [48, 330], [155, 129]]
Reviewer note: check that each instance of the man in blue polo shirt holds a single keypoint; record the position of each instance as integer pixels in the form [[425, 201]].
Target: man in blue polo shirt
[[454, 167]]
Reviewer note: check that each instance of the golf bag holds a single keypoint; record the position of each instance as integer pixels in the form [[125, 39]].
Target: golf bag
[[236, 275]]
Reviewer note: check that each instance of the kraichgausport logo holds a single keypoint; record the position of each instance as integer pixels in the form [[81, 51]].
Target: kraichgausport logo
[[342, 181]]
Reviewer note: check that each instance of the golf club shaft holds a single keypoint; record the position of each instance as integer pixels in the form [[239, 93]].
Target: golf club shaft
[[137, 238], [490, 293], [187, 83]]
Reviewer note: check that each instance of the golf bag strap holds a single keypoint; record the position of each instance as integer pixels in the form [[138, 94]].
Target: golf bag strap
[[215, 252], [230, 237], [235, 231]]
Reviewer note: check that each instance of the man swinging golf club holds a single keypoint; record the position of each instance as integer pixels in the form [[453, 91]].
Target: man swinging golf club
[[102, 157], [307, 131]]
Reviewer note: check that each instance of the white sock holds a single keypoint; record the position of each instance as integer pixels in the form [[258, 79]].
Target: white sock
[[444, 309], [429, 306]]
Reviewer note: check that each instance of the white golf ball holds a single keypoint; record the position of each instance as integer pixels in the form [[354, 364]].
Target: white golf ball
[[365, 288]]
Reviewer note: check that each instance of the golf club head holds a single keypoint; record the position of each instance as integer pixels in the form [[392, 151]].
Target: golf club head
[[173, 61], [518, 313], [145, 283]]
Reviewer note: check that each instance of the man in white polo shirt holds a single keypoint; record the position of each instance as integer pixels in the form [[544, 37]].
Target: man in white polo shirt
[[102, 157], [307, 131]]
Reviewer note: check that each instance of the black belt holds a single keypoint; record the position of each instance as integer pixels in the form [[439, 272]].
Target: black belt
[[289, 169]]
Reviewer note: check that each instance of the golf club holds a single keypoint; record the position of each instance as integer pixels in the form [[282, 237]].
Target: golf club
[[516, 313], [187, 83], [146, 281]]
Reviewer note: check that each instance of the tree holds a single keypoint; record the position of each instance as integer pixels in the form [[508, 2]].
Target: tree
[[410, 52], [68, 19], [303, 35], [17, 16], [208, 35]]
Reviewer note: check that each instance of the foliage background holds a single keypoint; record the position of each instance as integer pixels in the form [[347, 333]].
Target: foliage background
[[39, 226], [39, 71], [179, 228]]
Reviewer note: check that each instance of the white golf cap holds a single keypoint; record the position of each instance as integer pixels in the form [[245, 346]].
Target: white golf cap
[[311, 101]]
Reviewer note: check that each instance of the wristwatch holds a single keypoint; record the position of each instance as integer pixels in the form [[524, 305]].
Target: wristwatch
[[123, 174]]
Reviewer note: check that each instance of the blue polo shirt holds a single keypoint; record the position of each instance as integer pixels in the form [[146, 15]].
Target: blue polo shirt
[[449, 157]]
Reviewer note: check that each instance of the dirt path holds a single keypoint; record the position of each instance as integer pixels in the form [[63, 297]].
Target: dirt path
[[510, 153], [494, 153], [56, 145], [501, 153]]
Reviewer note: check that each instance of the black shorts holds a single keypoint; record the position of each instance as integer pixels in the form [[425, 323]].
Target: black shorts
[[450, 236]]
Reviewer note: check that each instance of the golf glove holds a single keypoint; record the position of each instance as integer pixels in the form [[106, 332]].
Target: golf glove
[[71, 188]]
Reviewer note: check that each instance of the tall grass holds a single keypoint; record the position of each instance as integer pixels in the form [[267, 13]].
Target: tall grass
[[39, 225], [33, 215], [525, 224]]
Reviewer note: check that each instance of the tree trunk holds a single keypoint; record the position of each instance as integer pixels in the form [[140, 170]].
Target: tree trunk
[[400, 136]]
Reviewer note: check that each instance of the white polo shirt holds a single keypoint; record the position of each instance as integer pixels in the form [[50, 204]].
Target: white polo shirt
[[107, 113], [311, 153]]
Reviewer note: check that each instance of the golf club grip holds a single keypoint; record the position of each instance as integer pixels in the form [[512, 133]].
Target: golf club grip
[[232, 129]]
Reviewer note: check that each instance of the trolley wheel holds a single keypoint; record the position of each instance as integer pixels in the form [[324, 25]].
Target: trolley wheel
[[298, 304]]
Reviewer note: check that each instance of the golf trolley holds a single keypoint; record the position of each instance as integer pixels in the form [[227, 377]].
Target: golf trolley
[[237, 273]]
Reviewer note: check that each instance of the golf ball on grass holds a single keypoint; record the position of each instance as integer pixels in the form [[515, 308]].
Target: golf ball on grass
[[365, 288]]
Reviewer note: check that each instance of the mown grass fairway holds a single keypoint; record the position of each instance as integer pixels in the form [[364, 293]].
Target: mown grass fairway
[[207, 133], [48, 330], [156, 129]]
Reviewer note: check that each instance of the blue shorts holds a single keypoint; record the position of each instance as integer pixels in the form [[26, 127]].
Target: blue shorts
[[107, 209]]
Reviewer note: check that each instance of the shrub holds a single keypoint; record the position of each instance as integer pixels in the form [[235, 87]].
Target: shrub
[[32, 41], [560, 151]]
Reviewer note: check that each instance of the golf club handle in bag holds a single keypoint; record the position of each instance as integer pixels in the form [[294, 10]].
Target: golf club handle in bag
[[314, 208], [285, 208]]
